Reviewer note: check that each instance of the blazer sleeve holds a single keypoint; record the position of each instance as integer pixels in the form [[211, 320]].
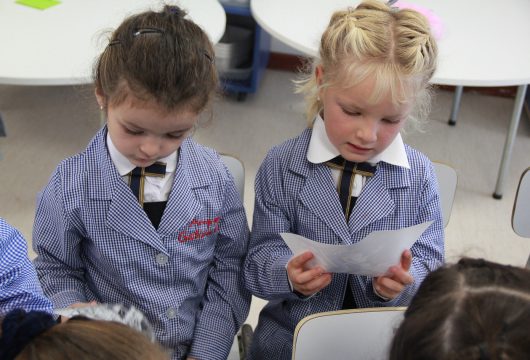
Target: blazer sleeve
[[19, 286], [265, 265], [57, 244], [428, 251], [226, 301]]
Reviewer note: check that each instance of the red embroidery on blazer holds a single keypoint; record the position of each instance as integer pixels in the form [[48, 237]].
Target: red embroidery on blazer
[[199, 229]]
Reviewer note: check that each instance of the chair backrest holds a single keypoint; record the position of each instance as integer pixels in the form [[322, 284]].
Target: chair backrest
[[447, 179], [521, 206], [236, 168], [347, 334]]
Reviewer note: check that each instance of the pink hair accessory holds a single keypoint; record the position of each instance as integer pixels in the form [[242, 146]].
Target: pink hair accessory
[[434, 20]]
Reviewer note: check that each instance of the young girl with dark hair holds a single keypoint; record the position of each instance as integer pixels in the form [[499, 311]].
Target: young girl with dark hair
[[145, 216]]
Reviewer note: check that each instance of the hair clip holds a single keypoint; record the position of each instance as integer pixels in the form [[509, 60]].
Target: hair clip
[[115, 42], [148, 31]]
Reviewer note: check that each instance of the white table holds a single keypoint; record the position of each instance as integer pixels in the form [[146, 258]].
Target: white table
[[484, 43], [58, 46]]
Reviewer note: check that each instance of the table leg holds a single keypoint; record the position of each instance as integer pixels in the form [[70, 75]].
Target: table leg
[[2, 131], [456, 105], [510, 139]]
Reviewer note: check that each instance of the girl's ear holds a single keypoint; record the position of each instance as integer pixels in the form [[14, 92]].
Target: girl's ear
[[100, 97], [319, 75]]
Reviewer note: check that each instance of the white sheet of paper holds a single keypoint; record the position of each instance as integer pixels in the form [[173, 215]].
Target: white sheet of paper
[[372, 256]]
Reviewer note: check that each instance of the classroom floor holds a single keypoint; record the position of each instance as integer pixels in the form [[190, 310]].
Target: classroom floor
[[46, 124]]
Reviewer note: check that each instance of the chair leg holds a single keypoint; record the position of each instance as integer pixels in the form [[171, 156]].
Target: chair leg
[[528, 263], [245, 340], [2, 131], [2, 127]]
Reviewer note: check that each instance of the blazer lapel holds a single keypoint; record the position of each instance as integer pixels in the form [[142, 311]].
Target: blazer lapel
[[322, 199], [124, 214], [183, 206], [318, 193], [375, 201]]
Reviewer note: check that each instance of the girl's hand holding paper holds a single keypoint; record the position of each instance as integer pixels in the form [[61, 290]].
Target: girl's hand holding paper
[[304, 280]]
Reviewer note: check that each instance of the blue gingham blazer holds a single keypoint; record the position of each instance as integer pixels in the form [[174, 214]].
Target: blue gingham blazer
[[294, 195], [19, 285], [95, 242]]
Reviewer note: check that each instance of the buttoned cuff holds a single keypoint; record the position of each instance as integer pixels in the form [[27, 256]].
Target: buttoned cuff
[[210, 344]]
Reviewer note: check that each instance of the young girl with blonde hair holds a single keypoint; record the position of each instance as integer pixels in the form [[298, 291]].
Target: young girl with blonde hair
[[348, 174]]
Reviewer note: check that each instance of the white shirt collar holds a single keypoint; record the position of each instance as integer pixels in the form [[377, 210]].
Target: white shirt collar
[[321, 149], [124, 166]]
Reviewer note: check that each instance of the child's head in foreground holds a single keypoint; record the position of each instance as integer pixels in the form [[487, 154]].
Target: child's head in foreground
[[36, 335], [474, 309]]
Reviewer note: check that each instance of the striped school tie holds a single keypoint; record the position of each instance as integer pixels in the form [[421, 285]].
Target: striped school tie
[[348, 169], [137, 178]]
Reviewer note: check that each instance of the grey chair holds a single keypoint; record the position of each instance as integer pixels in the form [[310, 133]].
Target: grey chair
[[447, 181], [347, 334], [237, 169], [242, 341], [521, 208]]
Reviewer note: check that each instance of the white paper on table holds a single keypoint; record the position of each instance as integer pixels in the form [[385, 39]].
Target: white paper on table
[[372, 256]]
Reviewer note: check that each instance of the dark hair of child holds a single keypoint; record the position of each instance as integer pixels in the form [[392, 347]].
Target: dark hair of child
[[159, 56], [474, 309], [36, 336]]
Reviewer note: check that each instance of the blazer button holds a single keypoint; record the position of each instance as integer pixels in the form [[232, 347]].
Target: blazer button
[[161, 259], [171, 313]]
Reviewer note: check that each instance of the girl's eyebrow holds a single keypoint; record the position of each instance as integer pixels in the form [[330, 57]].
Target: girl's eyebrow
[[353, 106], [349, 104], [179, 131]]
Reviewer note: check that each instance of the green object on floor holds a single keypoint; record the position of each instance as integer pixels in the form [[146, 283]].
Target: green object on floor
[[38, 4]]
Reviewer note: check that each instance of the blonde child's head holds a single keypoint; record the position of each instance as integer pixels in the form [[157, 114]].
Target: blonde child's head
[[158, 56], [393, 46]]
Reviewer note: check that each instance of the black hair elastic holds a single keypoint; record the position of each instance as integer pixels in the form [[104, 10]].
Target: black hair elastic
[[19, 328], [176, 11]]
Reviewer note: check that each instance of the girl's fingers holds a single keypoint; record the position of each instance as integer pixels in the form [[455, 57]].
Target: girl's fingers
[[300, 260], [387, 287], [307, 276], [406, 260], [315, 285]]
